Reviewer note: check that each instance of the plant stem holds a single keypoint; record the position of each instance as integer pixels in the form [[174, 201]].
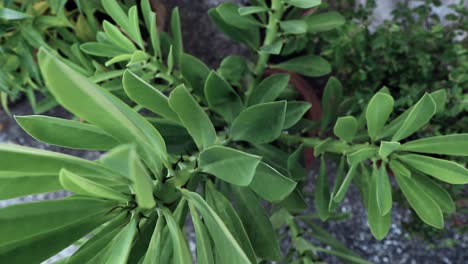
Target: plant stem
[[274, 16]]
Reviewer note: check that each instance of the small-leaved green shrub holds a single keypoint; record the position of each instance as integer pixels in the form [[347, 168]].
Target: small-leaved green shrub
[[213, 147]]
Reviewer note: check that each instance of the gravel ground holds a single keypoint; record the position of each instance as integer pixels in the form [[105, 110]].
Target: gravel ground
[[200, 36]]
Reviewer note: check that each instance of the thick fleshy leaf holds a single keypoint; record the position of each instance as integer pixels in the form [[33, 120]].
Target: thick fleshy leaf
[[397, 166], [294, 26], [387, 148], [195, 72], [229, 164], [80, 185], [154, 248], [192, 116], [304, 3], [308, 65], [345, 128], [444, 170], [176, 33], [101, 108], [118, 38], [377, 113], [456, 145], [268, 89], [66, 133], [379, 225], [324, 22], [118, 250], [181, 251], [261, 123], [225, 244], [257, 224], [384, 191], [436, 192], [249, 10], [142, 184], [424, 206], [221, 97], [223, 207], [417, 117], [203, 241], [147, 96], [322, 191], [295, 110], [229, 13], [271, 185], [53, 225], [340, 194]]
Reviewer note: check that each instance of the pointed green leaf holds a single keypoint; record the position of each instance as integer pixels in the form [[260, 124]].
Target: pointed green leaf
[[322, 191], [436, 192], [384, 191], [268, 89], [195, 72], [66, 133], [387, 148], [181, 251], [294, 26], [119, 249], [154, 249], [142, 184], [332, 95], [79, 185], [361, 155], [444, 170], [421, 202], [417, 117], [456, 144], [340, 194], [295, 110], [249, 10], [147, 96], [260, 123], [345, 128], [229, 164], [377, 113], [305, 4], [271, 185], [118, 38], [308, 65], [192, 116], [221, 97], [176, 32], [324, 21], [229, 13], [398, 167]]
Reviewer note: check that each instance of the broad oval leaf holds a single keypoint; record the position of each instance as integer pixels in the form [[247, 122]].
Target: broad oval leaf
[[324, 22], [271, 185], [377, 113], [229, 164], [260, 123], [443, 170], [294, 26], [268, 89], [345, 128], [192, 116], [147, 96], [66, 133], [194, 71], [424, 206], [221, 97], [456, 145], [305, 4], [308, 65], [417, 117], [379, 225]]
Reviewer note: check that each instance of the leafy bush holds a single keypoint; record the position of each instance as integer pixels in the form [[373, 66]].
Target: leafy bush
[[215, 145]]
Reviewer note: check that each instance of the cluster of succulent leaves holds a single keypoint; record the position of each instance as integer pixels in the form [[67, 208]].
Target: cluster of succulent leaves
[[211, 146], [417, 51]]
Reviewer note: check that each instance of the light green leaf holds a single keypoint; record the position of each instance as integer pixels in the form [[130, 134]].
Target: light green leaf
[[395, 165], [118, 251], [377, 113], [444, 170], [249, 10], [192, 116], [436, 192], [268, 89], [10, 14], [203, 241], [295, 110], [176, 32], [133, 26], [324, 22], [195, 72], [417, 117], [379, 225], [118, 38], [340, 194], [294, 27], [181, 251], [225, 244], [322, 191], [142, 183], [147, 96], [257, 224], [260, 123], [53, 225], [271, 185], [79, 185], [387, 148], [456, 145], [384, 191], [101, 108], [308, 65], [229, 13], [223, 207], [153, 253], [115, 11], [222, 98], [305, 4], [361, 155], [66, 133], [345, 128], [229, 164], [102, 49], [421, 202]]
